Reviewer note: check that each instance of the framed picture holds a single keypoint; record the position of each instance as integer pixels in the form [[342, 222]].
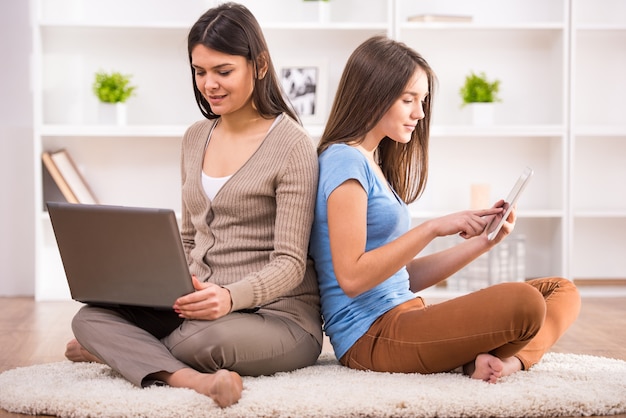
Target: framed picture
[[304, 85]]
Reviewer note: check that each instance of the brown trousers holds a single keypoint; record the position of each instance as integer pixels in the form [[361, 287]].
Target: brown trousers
[[509, 319]]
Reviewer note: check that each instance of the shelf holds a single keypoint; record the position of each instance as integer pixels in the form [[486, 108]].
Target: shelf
[[138, 131], [556, 115], [600, 214], [134, 131], [598, 175], [594, 27], [325, 26], [600, 130], [99, 25], [490, 13], [470, 131], [586, 14], [185, 26], [483, 27], [598, 248], [509, 55], [599, 104]]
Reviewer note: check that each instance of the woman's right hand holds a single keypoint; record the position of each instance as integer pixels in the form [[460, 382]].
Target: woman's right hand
[[467, 223], [208, 302]]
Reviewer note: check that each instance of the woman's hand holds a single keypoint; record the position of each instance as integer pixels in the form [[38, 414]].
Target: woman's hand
[[467, 223], [507, 227], [208, 302]]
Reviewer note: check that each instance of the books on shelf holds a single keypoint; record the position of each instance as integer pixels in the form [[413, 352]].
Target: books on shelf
[[51, 192], [440, 18], [67, 177]]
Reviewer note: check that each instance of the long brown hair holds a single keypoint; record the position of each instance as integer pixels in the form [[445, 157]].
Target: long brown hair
[[375, 76], [232, 29]]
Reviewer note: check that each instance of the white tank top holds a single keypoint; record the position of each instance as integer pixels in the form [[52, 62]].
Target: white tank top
[[212, 185]]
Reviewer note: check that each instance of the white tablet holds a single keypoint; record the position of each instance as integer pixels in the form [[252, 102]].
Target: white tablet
[[511, 200]]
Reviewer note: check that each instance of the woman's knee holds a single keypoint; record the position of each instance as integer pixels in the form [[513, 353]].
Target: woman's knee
[[92, 321], [562, 298], [534, 301], [249, 348], [530, 309], [557, 285], [81, 321], [527, 305], [204, 348]]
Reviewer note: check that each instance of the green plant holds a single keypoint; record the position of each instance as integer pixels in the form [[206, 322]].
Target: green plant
[[477, 89], [112, 87]]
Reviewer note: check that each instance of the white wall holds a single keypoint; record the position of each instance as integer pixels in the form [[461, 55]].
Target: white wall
[[17, 267]]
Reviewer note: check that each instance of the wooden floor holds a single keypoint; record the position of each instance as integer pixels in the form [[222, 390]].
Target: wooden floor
[[36, 332]]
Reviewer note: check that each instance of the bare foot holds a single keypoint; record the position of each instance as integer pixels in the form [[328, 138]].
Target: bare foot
[[486, 367], [511, 365], [490, 368], [77, 353], [223, 386], [226, 388]]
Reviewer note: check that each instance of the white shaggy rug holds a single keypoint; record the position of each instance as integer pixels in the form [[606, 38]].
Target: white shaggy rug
[[560, 385]]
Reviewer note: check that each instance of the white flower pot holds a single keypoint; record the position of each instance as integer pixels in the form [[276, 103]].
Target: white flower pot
[[324, 12], [482, 113], [112, 113]]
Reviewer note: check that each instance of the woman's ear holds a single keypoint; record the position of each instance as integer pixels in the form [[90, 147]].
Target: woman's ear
[[262, 64]]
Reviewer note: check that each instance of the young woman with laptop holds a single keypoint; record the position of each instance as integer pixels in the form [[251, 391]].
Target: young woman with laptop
[[249, 178]]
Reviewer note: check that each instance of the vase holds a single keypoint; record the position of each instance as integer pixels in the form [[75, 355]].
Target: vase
[[480, 196], [324, 12], [482, 113], [112, 113]]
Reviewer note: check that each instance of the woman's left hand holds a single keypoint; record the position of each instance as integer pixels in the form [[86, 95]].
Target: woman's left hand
[[507, 227], [208, 302]]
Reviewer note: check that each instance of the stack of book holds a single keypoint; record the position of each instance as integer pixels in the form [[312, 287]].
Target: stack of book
[[62, 179]]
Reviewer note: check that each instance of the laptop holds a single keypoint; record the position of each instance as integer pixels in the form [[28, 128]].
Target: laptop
[[118, 255]]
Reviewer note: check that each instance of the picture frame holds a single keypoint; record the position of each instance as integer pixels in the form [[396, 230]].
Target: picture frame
[[304, 85]]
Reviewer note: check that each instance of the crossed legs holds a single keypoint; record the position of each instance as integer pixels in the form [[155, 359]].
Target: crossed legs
[[207, 356], [491, 333]]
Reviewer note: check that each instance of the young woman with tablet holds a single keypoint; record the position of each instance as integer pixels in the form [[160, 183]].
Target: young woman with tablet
[[373, 159]]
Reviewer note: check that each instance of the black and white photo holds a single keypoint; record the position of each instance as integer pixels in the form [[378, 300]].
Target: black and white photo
[[303, 85]]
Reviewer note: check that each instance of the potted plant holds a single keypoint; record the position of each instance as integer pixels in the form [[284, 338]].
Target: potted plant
[[112, 89], [480, 94]]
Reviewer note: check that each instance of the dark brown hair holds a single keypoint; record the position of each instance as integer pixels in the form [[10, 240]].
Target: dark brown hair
[[375, 76], [231, 28]]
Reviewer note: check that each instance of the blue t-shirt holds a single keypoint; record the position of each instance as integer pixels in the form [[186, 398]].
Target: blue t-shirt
[[347, 319]]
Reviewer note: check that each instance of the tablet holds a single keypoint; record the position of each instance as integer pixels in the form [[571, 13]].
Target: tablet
[[511, 200]]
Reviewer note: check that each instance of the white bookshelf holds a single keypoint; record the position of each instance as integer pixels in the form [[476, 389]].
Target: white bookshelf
[[561, 113], [138, 164], [598, 139], [524, 44]]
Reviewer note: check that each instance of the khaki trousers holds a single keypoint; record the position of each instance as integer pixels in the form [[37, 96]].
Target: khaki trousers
[[137, 342], [509, 319]]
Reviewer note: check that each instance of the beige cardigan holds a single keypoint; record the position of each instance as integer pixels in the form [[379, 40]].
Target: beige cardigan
[[253, 237]]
